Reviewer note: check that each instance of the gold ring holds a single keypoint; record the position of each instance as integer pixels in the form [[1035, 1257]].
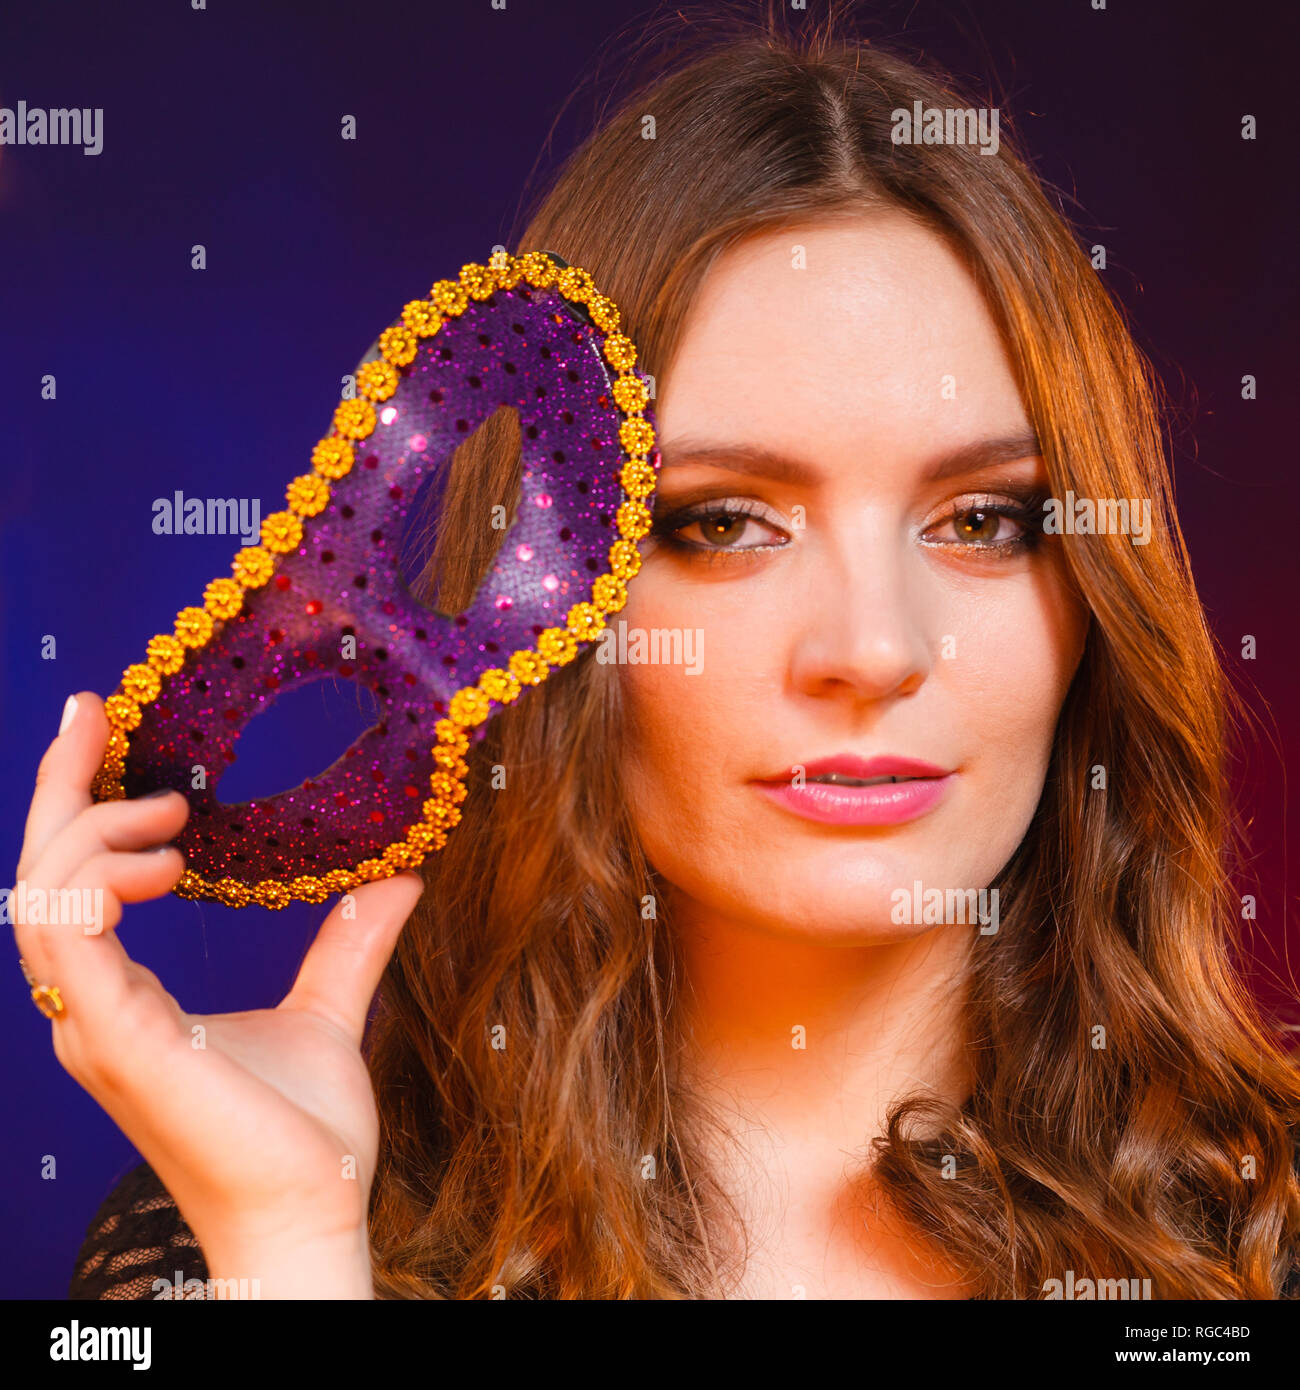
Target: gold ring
[[46, 997]]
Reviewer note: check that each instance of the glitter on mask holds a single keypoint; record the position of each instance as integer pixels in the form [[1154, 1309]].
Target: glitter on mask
[[505, 334]]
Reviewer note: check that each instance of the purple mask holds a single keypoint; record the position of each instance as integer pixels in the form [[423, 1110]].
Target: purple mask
[[322, 596]]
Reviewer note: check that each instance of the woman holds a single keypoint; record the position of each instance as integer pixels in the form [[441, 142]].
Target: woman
[[684, 1011]]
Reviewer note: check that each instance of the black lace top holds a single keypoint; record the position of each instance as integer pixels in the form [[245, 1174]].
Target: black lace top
[[137, 1238], [139, 1247]]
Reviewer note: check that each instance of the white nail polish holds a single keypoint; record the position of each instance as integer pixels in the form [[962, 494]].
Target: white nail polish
[[69, 709]]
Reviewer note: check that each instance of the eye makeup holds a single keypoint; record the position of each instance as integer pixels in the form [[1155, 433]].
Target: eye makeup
[[985, 525], [719, 522], [978, 523]]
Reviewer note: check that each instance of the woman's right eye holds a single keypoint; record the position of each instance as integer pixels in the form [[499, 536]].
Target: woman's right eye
[[719, 529]]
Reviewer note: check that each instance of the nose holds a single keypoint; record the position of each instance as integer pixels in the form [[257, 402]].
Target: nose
[[861, 622]]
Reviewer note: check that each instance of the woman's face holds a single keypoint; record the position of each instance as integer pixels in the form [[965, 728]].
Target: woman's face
[[846, 526]]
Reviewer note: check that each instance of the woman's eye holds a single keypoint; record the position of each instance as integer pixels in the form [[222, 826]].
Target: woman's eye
[[980, 527], [721, 529]]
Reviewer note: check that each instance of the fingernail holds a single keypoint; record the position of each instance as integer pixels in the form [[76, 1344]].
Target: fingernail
[[158, 791], [69, 711], [161, 849]]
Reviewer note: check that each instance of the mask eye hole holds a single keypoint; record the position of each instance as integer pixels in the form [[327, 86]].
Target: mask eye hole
[[296, 737], [462, 514]]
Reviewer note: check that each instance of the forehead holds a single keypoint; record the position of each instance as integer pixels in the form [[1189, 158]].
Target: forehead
[[855, 333]]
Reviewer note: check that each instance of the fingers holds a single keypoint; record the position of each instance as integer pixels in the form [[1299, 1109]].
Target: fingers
[[342, 968], [76, 868], [130, 878], [71, 942], [111, 825], [64, 775], [112, 1039]]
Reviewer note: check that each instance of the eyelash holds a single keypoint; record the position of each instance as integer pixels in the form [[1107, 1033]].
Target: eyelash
[[1026, 510], [666, 527]]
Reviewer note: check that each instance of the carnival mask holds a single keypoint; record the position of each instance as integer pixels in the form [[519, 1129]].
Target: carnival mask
[[323, 595]]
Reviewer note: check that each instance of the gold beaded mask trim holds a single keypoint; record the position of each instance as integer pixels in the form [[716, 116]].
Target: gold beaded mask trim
[[323, 597]]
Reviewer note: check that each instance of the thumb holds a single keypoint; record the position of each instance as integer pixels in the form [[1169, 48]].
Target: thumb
[[343, 966]]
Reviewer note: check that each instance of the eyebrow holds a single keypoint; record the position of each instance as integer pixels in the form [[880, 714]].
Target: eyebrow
[[768, 463]]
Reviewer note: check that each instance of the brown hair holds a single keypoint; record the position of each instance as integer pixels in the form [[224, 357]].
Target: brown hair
[[1166, 1153]]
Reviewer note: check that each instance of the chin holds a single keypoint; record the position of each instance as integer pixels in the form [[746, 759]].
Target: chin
[[811, 908], [860, 892]]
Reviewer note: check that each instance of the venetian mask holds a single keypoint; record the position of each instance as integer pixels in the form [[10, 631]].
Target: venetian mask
[[323, 597]]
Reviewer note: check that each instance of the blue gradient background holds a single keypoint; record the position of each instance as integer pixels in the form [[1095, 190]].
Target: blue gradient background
[[222, 128]]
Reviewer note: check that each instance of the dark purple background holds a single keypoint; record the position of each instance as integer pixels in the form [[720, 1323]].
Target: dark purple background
[[222, 127]]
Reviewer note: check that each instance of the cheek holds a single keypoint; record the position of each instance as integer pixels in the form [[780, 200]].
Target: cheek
[[695, 739], [1017, 648], [693, 733]]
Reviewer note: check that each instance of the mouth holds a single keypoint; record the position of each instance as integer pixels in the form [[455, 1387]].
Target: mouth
[[840, 779], [849, 790]]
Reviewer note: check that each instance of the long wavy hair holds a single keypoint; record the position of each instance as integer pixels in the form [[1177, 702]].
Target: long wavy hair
[[525, 1050]]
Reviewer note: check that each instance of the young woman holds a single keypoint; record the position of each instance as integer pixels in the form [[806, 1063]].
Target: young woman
[[672, 1016]]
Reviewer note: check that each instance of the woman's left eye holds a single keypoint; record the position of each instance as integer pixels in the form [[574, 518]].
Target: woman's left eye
[[983, 526]]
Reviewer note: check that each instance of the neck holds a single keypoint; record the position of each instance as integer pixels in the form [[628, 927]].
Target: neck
[[795, 1050], [806, 1029]]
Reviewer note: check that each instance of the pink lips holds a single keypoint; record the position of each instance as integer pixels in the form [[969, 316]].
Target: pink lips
[[887, 803]]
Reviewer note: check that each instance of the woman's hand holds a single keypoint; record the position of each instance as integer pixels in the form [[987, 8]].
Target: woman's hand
[[261, 1124]]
